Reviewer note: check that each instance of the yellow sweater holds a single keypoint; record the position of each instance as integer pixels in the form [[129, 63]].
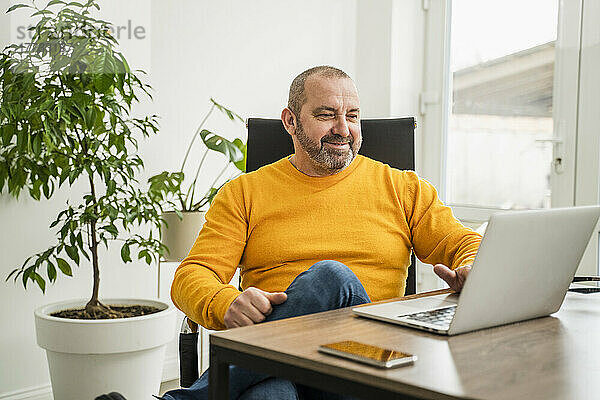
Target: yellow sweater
[[276, 222]]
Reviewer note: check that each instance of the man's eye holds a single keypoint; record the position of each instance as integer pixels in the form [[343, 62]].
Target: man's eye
[[352, 116], [325, 115]]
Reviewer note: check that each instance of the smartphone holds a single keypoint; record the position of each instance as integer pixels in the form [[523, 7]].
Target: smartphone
[[368, 354]]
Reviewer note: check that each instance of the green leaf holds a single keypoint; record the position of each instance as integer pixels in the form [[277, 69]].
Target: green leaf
[[111, 186], [34, 191], [73, 253], [3, 176], [112, 230], [26, 275], [125, 253], [219, 143], [40, 281], [90, 118], [241, 164], [13, 272], [18, 6], [37, 145], [125, 65], [232, 115], [64, 175], [72, 239], [79, 240], [55, 222], [103, 81], [8, 131], [146, 255], [64, 267], [48, 190], [113, 213], [73, 175], [22, 140], [42, 12], [51, 271]]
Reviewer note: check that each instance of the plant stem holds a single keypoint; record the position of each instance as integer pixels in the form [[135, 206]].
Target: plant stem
[[201, 203], [190, 194], [182, 202], [94, 250], [187, 153], [219, 176]]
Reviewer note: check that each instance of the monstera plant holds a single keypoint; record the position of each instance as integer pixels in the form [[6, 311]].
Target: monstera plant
[[184, 221]]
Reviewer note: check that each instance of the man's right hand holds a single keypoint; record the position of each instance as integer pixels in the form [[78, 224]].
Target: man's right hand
[[252, 307]]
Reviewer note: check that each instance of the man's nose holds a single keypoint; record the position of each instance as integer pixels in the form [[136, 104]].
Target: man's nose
[[341, 126]]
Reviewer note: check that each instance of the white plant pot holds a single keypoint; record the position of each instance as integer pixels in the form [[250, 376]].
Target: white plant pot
[[88, 358], [181, 234]]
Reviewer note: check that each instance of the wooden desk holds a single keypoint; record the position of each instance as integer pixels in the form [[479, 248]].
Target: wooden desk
[[556, 357]]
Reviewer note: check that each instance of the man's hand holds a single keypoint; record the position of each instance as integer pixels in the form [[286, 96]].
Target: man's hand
[[252, 307], [454, 278]]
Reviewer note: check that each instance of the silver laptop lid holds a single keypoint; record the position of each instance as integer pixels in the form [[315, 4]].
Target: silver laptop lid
[[538, 253]]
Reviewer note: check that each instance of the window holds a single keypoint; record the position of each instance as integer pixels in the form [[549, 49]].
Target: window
[[501, 106], [509, 107]]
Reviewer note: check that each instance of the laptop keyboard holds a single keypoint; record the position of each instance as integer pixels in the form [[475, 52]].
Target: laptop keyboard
[[441, 316]]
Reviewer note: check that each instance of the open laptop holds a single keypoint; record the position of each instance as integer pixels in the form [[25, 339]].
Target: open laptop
[[523, 269]]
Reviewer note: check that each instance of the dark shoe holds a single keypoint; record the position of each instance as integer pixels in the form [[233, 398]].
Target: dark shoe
[[111, 396]]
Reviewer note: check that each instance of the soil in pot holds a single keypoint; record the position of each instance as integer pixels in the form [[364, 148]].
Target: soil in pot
[[107, 312]]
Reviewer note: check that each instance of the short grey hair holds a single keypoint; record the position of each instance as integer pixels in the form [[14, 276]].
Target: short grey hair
[[297, 96]]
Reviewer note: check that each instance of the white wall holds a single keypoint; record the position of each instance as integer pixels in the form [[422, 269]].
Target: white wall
[[244, 54], [407, 56]]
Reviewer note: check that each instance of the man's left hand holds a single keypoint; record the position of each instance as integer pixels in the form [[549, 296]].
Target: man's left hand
[[454, 278]]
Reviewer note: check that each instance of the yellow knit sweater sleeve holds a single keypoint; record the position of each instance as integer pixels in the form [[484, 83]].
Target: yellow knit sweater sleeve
[[437, 236], [200, 287]]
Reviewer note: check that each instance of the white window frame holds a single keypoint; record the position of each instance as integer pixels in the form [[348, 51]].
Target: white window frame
[[575, 115], [587, 174]]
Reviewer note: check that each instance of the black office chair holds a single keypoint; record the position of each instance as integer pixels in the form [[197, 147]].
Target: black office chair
[[387, 140]]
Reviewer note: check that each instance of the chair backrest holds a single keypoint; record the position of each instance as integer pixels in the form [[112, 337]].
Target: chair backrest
[[390, 141]]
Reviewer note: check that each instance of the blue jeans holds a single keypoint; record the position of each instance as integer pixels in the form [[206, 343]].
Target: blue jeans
[[327, 285]]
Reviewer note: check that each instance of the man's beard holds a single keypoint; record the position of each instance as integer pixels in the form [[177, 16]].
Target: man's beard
[[326, 157]]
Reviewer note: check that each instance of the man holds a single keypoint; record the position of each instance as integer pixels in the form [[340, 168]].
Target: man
[[322, 229]]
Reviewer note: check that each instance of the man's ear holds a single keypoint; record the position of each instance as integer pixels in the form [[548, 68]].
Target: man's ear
[[289, 121]]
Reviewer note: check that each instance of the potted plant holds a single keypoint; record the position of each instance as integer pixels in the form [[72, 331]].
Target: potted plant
[[65, 116], [181, 225]]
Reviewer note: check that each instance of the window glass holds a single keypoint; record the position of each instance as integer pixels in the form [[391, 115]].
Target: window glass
[[502, 65]]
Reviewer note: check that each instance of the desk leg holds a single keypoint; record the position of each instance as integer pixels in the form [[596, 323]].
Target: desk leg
[[218, 377]]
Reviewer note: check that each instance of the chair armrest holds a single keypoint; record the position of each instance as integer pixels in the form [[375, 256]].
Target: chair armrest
[[188, 326], [188, 353]]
